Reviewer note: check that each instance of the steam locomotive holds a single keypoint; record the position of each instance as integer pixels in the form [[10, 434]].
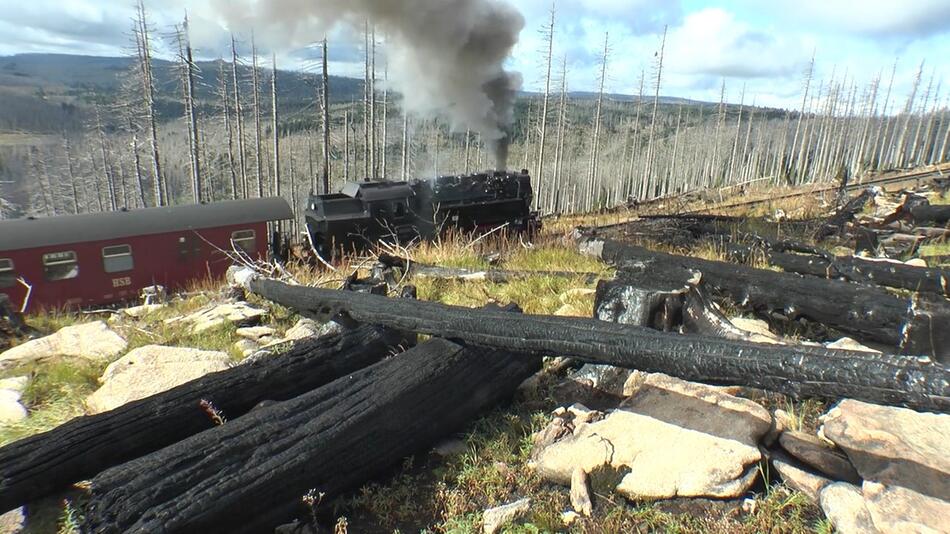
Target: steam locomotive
[[399, 212]]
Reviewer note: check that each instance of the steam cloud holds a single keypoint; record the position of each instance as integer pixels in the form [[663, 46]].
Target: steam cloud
[[446, 57]]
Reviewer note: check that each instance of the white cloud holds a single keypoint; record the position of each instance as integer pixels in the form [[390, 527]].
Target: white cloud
[[713, 42], [908, 19]]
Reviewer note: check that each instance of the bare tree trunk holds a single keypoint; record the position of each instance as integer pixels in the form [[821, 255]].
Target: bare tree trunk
[[373, 137], [880, 159], [792, 161], [595, 139], [188, 84], [226, 108], [148, 95], [239, 115], [275, 127], [366, 99], [914, 150], [139, 180], [74, 187], [559, 141], [406, 150], [325, 123], [908, 114], [648, 173], [549, 35], [258, 145], [383, 148], [346, 146]]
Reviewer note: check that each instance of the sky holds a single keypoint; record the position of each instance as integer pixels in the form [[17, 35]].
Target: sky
[[760, 49]]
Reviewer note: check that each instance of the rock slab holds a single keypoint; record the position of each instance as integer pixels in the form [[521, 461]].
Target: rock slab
[[819, 455], [152, 369], [894, 446], [672, 439], [843, 505], [94, 341]]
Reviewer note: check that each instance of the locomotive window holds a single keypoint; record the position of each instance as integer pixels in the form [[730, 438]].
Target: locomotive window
[[7, 274], [244, 240], [117, 259], [60, 266]]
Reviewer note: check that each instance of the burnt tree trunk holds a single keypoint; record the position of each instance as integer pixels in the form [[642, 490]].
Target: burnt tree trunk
[[855, 269], [79, 449], [866, 312], [248, 475], [795, 371], [927, 213]]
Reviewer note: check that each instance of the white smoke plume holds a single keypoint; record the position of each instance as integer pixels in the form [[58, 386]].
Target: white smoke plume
[[446, 57]]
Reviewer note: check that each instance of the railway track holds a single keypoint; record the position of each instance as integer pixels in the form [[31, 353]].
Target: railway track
[[887, 180]]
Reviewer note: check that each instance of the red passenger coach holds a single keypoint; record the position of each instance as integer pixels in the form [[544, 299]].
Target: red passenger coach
[[101, 258]]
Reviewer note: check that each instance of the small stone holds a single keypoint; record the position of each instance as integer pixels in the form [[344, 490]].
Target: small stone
[[11, 410], [916, 262], [796, 477], [583, 414], [819, 455], [752, 326], [495, 518], [784, 419], [569, 517], [844, 506], [213, 316], [846, 343], [246, 347], [303, 329], [255, 333], [13, 521], [580, 493], [749, 506], [15, 383], [633, 382], [138, 312]]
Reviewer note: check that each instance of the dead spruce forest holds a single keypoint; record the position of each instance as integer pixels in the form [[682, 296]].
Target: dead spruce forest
[[733, 320]]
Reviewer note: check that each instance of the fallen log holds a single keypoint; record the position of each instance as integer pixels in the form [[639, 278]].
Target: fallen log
[[795, 371], [498, 276], [927, 213], [41, 464], [815, 262], [250, 474], [867, 313], [855, 269], [836, 224]]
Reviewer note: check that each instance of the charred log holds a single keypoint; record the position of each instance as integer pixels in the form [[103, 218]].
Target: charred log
[[248, 475], [795, 371], [79, 449], [926, 213], [855, 269], [865, 312], [837, 223]]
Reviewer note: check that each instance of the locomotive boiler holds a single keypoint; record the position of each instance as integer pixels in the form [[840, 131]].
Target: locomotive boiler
[[364, 213]]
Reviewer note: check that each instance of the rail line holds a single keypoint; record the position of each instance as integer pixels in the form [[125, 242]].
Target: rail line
[[913, 176]]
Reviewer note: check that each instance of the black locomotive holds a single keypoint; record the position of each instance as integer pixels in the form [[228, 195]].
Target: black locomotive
[[399, 212]]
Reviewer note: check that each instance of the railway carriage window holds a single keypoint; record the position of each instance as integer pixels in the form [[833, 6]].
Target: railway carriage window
[[7, 274], [60, 266], [244, 240], [117, 259]]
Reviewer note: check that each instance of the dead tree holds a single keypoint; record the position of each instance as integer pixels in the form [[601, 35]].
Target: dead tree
[[39, 465], [548, 33], [595, 137], [648, 172], [325, 122], [274, 125], [795, 371], [226, 109], [258, 142], [147, 84], [865, 312], [250, 474], [239, 117], [188, 69]]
